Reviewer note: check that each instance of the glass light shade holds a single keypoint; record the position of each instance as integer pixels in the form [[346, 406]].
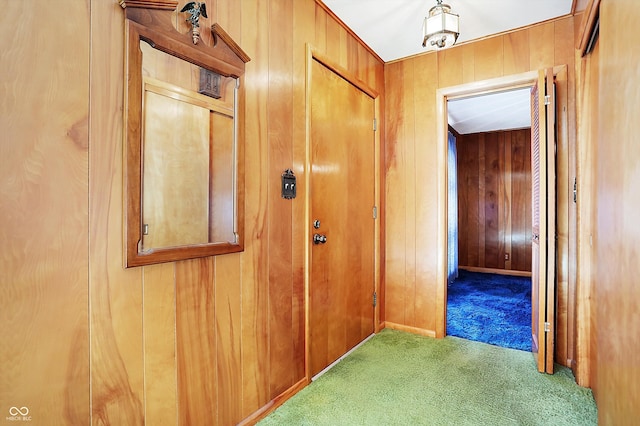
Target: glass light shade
[[441, 28]]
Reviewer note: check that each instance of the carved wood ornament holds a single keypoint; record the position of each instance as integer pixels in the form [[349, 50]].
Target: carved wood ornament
[[224, 57]]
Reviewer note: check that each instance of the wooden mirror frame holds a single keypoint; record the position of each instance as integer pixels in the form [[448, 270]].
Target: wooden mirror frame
[[151, 21]]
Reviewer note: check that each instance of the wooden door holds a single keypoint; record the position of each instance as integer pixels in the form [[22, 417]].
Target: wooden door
[[543, 221], [342, 185]]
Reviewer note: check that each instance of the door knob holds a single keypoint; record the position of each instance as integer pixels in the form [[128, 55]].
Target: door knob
[[319, 239]]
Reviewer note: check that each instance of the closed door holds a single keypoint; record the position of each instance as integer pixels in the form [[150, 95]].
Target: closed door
[[342, 194]]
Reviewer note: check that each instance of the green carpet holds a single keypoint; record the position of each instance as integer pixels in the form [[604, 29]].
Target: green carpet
[[398, 378]]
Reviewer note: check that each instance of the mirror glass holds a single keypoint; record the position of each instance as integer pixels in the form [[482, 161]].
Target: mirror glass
[[188, 156]]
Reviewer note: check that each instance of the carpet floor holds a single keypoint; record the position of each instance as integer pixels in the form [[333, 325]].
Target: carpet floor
[[398, 378], [490, 308]]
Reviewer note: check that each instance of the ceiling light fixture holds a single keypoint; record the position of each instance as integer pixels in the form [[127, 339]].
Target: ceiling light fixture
[[441, 28]]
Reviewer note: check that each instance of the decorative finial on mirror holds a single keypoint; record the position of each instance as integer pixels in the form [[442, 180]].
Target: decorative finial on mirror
[[195, 9]]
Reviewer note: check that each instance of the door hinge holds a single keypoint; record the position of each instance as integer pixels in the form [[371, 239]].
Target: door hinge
[[375, 212], [375, 299], [375, 125], [547, 327], [575, 190], [547, 99]]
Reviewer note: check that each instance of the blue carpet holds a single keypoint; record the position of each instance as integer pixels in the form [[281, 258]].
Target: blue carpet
[[490, 308]]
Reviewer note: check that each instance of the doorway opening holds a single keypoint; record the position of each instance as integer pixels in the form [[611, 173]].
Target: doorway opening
[[489, 218], [544, 233]]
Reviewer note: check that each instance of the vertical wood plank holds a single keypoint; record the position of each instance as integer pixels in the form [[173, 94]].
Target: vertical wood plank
[[303, 22], [395, 197], [335, 36], [520, 260], [449, 66], [355, 61], [482, 199], [507, 205], [541, 46], [516, 52], [228, 335], [254, 269], [410, 187], [425, 169], [488, 58], [474, 197], [159, 316], [117, 362], [468, 63], [491, 200], [196, 342], [617, 205], [44, 355], [502, 197], [279, 116], [321, 29]]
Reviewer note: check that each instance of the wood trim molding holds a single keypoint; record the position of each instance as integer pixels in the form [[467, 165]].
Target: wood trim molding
[[276, 402], [343, 72], [409, 329], [589, 19], [217, 31], [496, 271], [150, 4]]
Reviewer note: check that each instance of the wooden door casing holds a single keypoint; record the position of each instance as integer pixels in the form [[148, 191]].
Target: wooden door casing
[[342, 197]]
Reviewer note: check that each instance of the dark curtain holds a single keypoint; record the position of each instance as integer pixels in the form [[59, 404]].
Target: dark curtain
[[452, 211]]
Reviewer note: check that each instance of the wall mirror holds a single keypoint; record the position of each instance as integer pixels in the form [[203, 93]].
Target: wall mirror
[[184, 161]]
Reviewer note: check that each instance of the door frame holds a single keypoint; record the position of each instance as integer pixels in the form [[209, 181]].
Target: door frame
[[314, 54], [444, 94]]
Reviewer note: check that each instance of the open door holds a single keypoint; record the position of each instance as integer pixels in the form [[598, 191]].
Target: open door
[[543, 266]]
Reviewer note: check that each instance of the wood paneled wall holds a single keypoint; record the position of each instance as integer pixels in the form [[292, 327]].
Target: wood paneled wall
[[412, 167], [494, 200], [207, 341], [44, 111], [616, 205]]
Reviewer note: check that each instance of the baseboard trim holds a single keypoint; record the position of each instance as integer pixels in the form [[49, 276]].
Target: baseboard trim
[[496, 271], [330, 366], [409, 329], [270, 406]]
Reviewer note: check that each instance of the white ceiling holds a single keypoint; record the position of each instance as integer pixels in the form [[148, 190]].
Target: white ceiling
[[498, 111], [393, 30]]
